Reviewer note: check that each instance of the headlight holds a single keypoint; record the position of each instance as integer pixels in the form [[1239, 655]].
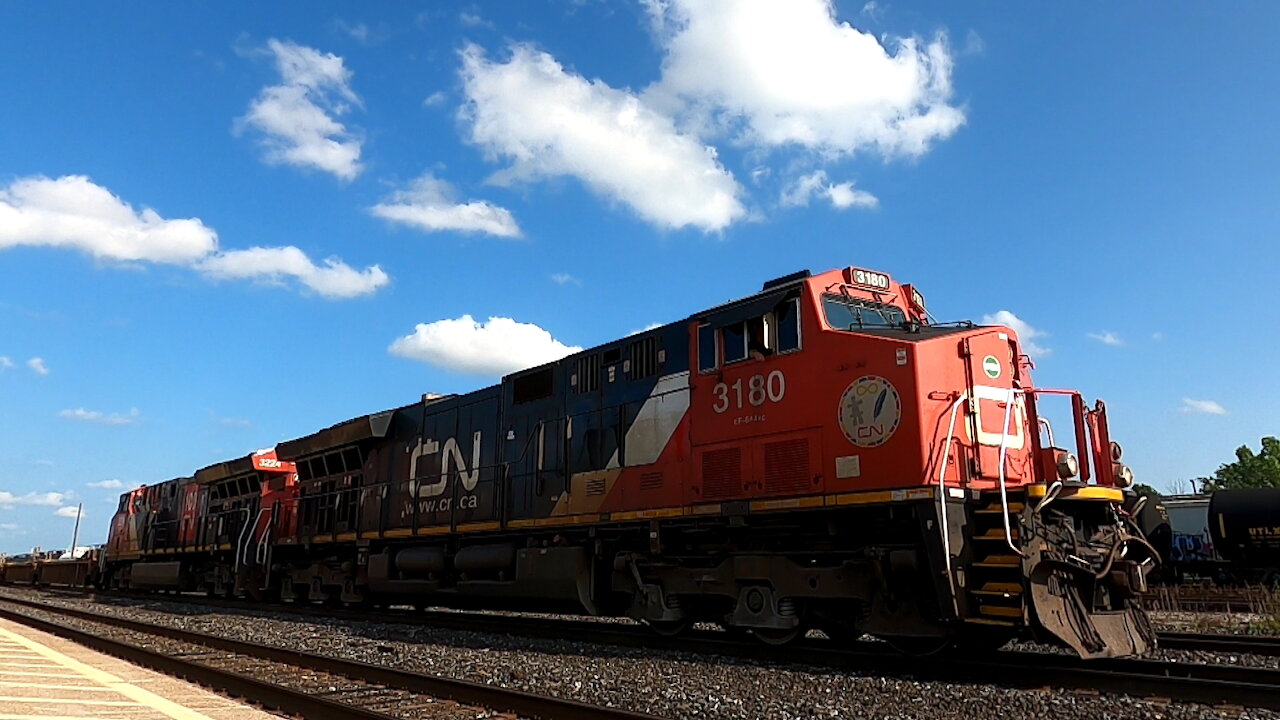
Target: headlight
[[1116, 451], [1123, 475], [1068, 466]]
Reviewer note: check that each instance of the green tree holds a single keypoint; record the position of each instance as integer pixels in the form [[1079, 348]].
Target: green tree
[[1147, 491], [1250, 470]]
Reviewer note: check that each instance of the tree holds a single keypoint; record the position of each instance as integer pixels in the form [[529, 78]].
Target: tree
[[1261, 470], [1145, 490]]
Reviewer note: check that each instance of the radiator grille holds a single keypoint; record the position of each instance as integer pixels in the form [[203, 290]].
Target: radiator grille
[[595, 486], [651, 480], [786, 466], [722, 473]]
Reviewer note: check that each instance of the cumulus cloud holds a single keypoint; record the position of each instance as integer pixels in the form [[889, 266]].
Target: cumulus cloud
[[564, 279], [430, 204], [37, 366], [1106, 337], [8, 500], [6, 362], [297, 117], [1207, 407], [112, 484], [97, 416], [842, 196], [550, 122], [790, 74], [68, 511], [1026, 334], [274, 265], [497, 347], [72, 212]]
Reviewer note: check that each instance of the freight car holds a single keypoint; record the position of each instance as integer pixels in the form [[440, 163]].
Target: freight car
[[1229, 537], [73, 568], [818, 454]]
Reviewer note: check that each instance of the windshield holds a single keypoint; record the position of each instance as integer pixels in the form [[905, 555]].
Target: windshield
[[845, 313]]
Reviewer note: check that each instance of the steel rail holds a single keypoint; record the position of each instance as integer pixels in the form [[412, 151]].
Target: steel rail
[[1268, 645], [1205, 683], [518, 702], [275, 697]]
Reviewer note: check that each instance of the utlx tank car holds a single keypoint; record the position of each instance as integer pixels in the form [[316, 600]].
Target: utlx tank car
[[819, 454]]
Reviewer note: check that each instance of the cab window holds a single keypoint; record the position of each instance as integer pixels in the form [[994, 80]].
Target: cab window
[[846, 313]]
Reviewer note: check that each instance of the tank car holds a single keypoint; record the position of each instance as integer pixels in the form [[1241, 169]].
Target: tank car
[[1245, 528], [818, 454]]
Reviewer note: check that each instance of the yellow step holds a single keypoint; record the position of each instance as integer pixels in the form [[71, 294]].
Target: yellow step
[[999, 561], [1000, 611], [997, 534], [1014, 509], [1003, 589], [988, 621]]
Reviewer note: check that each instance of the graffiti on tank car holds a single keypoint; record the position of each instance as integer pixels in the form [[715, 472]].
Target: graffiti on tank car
[[1188, 547], [450, 457]]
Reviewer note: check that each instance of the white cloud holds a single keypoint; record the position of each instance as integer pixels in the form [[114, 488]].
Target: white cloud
[[69, 511], [73, 212], [97, 416], [37, 366], [358, 32], [235, 422], [496, 347], [6, 362], [9, 527], [1106, 337], [1026, 334], [564, 279], [841, 195], [550, 122], [787, 74], [430, 204], [646, 328], [297, 117], [8, 500], [475, 20], [112, 484], [436, 98], [1208, 407], [273, 265]]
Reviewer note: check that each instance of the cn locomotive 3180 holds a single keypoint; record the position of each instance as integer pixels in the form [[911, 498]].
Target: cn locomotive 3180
[[817, 455]]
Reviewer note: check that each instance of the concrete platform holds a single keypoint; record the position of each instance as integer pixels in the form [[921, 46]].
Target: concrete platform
[[43, 677]]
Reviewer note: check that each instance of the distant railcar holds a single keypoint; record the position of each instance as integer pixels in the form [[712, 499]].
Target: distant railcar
[[819, 454]]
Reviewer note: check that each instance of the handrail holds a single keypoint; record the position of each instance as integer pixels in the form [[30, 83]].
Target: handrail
[[1004, 450], [240, 543], [942, 497]]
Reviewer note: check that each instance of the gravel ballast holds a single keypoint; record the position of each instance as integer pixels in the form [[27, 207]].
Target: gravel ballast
[[663, 683]]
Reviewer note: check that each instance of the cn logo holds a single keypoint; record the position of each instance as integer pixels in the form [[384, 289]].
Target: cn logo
[[450, 457]]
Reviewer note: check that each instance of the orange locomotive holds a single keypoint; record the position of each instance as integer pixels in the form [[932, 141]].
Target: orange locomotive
[[819, 454]]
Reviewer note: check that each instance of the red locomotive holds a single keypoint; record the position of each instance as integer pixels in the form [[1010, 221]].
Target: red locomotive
[[819, 454]]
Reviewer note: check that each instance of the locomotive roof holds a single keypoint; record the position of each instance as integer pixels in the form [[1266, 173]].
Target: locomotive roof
[[225, 469], [347, 432]]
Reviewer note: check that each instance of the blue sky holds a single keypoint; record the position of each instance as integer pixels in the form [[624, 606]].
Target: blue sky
[[222, 226]]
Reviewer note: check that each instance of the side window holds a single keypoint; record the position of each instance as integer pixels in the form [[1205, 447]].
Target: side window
[[735, 342], [707, 359], [534, 386], [787, 320]]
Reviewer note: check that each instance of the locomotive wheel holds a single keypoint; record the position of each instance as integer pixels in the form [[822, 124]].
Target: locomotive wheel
[[775, 636], [669, 628]]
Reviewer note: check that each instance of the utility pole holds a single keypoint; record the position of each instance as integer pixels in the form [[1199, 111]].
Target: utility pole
[[75, 534]]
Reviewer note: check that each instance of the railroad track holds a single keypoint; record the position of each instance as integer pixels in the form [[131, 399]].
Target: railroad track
[[359, 691], [625, 634], [1242, 644], [1184, 682]]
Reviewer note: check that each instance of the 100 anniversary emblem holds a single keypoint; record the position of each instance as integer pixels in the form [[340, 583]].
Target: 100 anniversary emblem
[[870, 411]]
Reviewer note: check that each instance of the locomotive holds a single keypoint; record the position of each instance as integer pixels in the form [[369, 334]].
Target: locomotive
[[820, 454]]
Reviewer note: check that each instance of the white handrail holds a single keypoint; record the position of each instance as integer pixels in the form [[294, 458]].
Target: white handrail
[[942, 496], [1004, 449]]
